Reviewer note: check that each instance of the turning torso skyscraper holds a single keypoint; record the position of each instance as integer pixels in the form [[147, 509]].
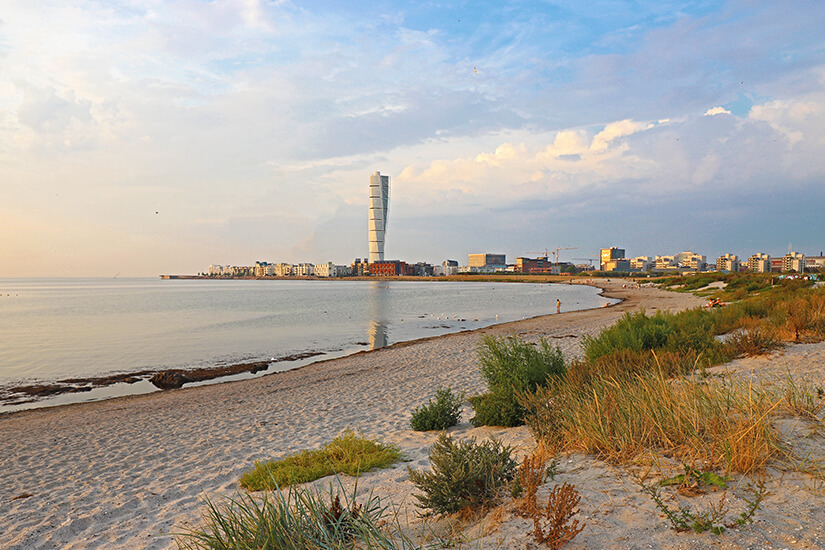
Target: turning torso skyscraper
[[379, 204]]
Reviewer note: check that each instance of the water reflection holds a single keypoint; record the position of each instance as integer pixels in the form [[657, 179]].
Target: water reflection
[[379, 303]]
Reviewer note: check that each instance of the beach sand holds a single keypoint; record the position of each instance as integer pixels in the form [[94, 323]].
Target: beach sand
[[128, 472]]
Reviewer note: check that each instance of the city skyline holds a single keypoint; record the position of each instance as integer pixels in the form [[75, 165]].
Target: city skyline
[[144, 139]]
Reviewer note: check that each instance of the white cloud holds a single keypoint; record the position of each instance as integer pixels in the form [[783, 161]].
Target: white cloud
[[787, 117], [615, 130], [717, 111]]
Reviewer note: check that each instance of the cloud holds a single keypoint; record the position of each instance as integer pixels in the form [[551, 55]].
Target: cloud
[[717, 111], [614, 131]]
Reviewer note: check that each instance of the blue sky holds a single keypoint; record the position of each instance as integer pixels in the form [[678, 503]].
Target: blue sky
[[163, 136]]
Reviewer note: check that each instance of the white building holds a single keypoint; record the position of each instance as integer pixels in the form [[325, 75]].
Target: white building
[[759, 263], [691, 260], [641, 263], [283, 270], [815, 262], [666, 262], [793, 261], [728, 262], [444, 270], [303, 270], [379, 208], [331, 270]]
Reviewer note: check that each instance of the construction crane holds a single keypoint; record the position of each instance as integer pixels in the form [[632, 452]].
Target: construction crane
[[545, 254], [590, 260], [555, 252]]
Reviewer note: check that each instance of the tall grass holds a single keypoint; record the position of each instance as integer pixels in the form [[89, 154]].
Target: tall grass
[[723, 424], [296, 519]]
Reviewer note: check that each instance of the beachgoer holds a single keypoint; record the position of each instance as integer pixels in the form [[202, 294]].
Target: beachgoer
[[558, 305]]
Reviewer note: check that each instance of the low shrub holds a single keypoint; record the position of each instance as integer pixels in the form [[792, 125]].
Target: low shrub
[[464, 475], [299, 519], [713, 519], [500, 408], [511, 362], [438, 414], [751, 342], [511, 366], [552, 525], [346, 454]]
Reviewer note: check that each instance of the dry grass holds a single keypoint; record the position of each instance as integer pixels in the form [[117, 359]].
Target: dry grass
[[719, 423]]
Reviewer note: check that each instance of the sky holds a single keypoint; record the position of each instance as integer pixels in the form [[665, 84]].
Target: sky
[[147, 137]]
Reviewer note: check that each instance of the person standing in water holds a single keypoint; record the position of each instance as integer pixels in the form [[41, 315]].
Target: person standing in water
[[558, 305]]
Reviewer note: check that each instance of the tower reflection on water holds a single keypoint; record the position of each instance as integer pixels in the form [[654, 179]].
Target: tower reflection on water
[[379, 304]]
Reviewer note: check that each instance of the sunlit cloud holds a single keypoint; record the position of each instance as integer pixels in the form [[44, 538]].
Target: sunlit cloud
[[717, 111], [251, 126]]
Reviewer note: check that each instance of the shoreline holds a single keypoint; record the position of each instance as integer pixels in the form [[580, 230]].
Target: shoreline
[[38, 393], [128, 472]]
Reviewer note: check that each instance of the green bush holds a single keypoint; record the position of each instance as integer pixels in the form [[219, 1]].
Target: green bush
[[346, 454], [512, 367], [439, 414], [464, 475], [500, 408], [510, 362]]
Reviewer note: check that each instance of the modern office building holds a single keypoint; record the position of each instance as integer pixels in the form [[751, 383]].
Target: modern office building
[[608, 254], [379, 205], [484, 260]]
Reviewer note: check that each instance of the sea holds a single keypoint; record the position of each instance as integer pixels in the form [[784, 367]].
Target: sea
[[54, 329]]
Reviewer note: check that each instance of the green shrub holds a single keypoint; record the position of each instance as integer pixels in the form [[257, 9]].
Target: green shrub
[[439, 414], [346, 454], [634, 332], [510, 362], [511, 367], [299, 519], [497, 409], [464, 475]]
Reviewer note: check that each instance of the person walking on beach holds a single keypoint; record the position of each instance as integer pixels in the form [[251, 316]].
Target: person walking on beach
[[558, 305]]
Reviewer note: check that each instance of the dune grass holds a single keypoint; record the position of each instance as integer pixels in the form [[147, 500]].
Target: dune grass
[[346, 454], [717, 423], [632, 394], [295, 519]]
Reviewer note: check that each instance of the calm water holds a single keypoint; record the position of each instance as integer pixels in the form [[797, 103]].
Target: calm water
[[51, 329]]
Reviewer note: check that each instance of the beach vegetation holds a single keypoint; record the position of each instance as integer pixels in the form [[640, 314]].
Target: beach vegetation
[[464, 475], [691, 332], [552, 525], [724, 424], [348, 453], [713, 519], [295, 519], [511, 366], [439, 413]]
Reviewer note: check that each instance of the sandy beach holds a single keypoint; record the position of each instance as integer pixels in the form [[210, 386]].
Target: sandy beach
[[128, 472]]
